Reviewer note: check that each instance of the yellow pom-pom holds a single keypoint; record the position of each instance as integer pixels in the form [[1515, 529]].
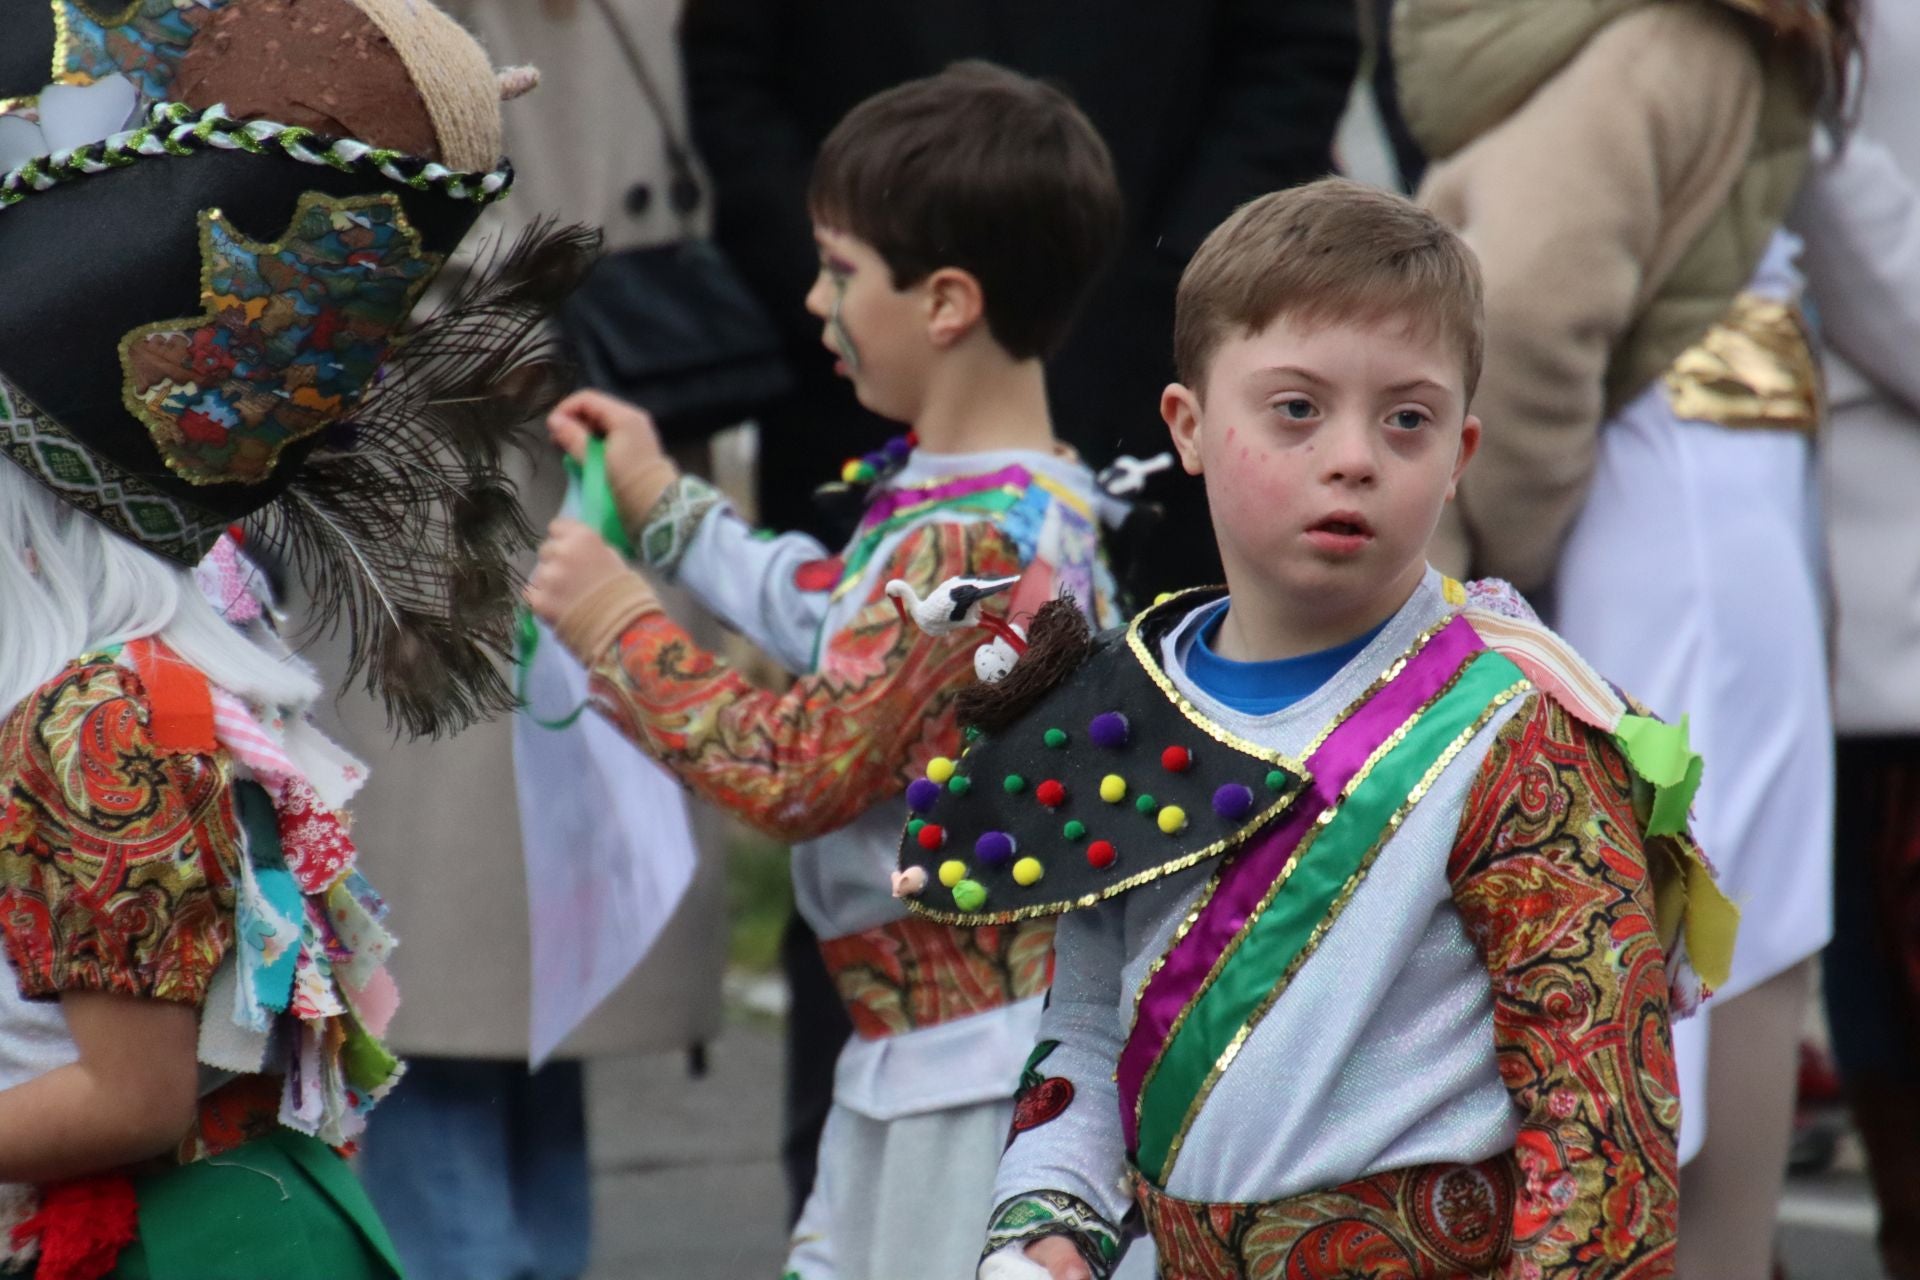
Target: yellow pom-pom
[[850, 473], [1028, 871], [1173, 819], [952, 872], [1113, 788], [940, 769]]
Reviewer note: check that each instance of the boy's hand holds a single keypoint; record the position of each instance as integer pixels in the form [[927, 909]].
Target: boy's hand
[[1060, 1257], [575, 562], [638, 468]]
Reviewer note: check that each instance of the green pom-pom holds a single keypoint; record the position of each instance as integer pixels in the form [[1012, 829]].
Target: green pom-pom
[[969, 895], [913, 828], [1014, 784], [1074, 830], [972, 733], [1276, 780], [1055, 738], [959, 784], [1146, 804]]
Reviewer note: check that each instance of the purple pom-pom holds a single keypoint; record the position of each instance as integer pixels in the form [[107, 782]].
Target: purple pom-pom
[[1233, 801], [897, 449], [1110, 730], [922, 794], [877, 460], [994, 848]]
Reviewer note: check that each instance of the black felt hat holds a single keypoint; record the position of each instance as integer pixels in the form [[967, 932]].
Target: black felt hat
[[1111, 780], [208, 320]]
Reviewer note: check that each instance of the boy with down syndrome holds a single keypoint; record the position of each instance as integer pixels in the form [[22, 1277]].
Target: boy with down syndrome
[[1374, 899]]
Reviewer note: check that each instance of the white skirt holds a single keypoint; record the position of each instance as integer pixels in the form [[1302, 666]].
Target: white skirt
[[1694, 578]]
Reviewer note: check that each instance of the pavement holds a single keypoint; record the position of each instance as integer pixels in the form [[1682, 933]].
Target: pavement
[[687, 1181]]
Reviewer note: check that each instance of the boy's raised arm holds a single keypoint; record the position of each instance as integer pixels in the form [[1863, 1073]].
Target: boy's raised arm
[[1551, 877], [1065, 1170], [808, 760]]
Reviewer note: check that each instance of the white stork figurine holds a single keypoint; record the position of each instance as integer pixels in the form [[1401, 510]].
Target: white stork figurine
[[955, 605]]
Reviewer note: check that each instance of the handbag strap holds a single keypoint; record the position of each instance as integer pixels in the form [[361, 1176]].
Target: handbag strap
[[684, 193]]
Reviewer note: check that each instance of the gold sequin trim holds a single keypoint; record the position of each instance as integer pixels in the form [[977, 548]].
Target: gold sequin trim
[[1754, 368], [1237, 836]]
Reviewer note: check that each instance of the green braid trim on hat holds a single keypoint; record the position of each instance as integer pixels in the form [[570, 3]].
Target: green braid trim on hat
[[115, 497], [173, 129]]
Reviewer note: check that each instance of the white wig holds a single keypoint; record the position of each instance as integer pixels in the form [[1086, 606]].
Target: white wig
[[70, 586]]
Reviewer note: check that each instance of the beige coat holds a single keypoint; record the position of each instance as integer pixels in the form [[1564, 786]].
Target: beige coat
[[438, 824], [1618, 167], [586, 138]]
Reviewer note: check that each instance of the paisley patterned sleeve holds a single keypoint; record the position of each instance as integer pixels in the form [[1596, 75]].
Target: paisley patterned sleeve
[[809, 760], [1550, 874], [117, 857]]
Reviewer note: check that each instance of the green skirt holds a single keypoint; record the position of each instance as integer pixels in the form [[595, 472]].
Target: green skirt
[[281, 1207]]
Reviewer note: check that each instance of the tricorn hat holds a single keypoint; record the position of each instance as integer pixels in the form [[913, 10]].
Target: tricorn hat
[[207, 317]]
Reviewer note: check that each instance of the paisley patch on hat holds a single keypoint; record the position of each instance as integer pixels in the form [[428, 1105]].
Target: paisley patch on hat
[[293, 334]]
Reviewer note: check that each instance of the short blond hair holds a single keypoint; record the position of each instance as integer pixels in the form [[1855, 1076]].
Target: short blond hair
[[1328, 252]]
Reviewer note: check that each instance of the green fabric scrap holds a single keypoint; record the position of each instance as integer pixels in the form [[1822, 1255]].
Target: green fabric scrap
[[1659, 753], [370, 1065]]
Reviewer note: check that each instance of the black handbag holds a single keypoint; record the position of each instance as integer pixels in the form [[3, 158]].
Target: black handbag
[[673, 327]]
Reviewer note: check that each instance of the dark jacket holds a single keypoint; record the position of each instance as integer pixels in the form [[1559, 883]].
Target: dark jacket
[[1205, 104]]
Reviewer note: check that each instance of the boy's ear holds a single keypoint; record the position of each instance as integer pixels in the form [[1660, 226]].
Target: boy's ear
[[1181, 409], [1469, 445], [955, 305]]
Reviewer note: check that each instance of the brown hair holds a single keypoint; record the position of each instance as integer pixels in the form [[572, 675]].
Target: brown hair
[[985, 170], [1330, 251]]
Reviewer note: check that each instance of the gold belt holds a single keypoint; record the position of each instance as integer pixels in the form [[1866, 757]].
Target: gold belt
[[1754, 368]]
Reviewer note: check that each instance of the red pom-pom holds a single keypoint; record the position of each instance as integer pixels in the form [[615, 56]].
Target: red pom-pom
[[82, 1226], [1176, 759], [1101, 853], [1050, 793], [932, 836]]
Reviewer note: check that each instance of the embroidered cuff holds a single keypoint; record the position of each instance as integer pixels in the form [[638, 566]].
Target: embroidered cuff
[[667, 530], [1038, 1214]]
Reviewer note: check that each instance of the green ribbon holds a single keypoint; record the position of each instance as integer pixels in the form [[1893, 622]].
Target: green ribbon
[[1280, 936], [1661, 756], [587, 484]]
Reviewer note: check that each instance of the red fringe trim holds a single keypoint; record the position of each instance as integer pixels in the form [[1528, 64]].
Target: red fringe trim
[[82, 1226]]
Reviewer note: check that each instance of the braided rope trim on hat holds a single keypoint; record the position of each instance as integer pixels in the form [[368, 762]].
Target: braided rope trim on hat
[[173, 129]]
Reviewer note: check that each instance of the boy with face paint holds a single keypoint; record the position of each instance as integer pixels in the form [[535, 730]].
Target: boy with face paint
[[960, 219], [1373, 898]]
